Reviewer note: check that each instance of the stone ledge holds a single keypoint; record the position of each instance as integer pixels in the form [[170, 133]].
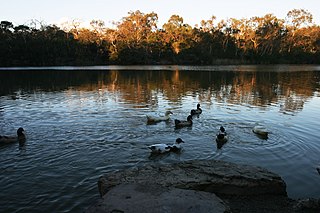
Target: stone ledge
[[136, 198], [158, 188], [204, 175]]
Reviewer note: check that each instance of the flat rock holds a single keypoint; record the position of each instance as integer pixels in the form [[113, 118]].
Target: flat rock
[[136, 198], [192, 186], [204, 175]]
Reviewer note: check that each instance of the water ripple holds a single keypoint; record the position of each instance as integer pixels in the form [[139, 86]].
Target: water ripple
[[75, 136]]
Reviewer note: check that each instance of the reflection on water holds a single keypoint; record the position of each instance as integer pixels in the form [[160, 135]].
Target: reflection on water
[[83, 123], [288, 89]]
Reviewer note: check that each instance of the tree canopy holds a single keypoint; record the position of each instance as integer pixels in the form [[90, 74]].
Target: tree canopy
[[136, 39]]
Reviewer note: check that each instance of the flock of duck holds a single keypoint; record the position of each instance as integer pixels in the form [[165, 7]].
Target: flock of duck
[[221, 136], [160, 148]]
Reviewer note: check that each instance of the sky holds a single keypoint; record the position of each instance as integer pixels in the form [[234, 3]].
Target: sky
[[192, 11]]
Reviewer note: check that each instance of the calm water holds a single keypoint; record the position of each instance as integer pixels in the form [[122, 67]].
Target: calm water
[[85, 122]]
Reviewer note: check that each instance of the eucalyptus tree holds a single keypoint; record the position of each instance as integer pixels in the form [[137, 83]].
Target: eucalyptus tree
[[133, 36], [238, 30], [215, 40], [205, 41], [6, 41], [94, 44], [298, 18], [6, 26], [270, 34], [112, 37], [177, 34], [136, 27], [300, 31], [225, 38]]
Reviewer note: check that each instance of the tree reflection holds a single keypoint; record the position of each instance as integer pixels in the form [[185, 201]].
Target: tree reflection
[[144, 87]]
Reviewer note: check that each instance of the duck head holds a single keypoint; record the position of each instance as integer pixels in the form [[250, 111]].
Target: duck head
[[179, 140], [189, 118], [198, 106], [168, 113], [20, 132], [222, 129]]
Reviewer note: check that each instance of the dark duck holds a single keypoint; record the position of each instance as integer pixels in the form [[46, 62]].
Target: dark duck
[[221, 137], [180, 123], [21, 137], [197, 111]]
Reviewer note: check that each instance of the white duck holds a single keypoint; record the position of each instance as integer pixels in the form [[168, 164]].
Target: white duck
[[163, 148], [261, 131], [155, 119]]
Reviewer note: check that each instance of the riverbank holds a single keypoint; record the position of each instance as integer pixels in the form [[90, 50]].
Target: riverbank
[[197, 186]]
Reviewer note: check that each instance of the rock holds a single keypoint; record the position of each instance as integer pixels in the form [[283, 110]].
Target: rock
[[204, 175], [102, 186], [308, 204], [136, 198], [192, 186], [258, 203]]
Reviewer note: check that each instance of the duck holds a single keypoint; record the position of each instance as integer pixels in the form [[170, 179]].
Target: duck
[[161, 148], [21, 137], [221, 137], [155, 119], [261, 131], [179, 123], [196, 111]]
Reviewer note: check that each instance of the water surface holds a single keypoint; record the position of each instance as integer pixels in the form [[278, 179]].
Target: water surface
[[86, 121]]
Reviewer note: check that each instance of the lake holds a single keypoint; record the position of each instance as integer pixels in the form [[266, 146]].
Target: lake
[[82, 122]]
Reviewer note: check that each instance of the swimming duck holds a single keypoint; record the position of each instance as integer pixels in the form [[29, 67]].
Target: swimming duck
[[176, 147], [196, 111], [154, 119], [163, 148], [179, 123], [222, 135], [21, 137], [261, 131]]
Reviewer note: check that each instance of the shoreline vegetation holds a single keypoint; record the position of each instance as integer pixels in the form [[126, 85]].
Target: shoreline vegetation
[[137, 40]]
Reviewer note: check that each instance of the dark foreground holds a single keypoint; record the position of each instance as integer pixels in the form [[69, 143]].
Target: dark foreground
[[197, 186]]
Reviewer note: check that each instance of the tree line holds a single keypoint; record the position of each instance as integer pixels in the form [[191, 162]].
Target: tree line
[[137, 39]]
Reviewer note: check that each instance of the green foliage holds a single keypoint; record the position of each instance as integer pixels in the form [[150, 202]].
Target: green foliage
[[137, 40]]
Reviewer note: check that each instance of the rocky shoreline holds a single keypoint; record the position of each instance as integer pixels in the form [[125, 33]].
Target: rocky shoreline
[[197, 186]]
